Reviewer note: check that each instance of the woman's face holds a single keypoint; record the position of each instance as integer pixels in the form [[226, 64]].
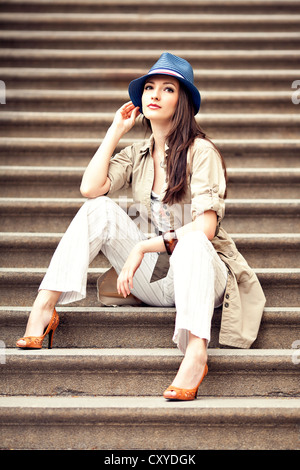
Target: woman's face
[[160, 97]]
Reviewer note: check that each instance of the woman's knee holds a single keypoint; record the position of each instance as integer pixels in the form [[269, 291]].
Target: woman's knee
[[100, 204], [97, 201], [191, 247], [196, 239]]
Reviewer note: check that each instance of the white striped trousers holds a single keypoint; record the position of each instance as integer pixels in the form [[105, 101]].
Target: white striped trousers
[[195, 282]]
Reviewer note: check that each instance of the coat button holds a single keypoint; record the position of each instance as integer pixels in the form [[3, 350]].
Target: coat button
[[226, 304], [227, 296]]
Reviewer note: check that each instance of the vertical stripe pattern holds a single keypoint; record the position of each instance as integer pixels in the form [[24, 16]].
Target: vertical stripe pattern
[[195, 282]]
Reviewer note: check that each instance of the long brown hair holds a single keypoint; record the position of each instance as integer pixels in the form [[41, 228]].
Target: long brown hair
[[183, 132]]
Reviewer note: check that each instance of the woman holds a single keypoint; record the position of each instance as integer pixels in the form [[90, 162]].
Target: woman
[[178, 181]]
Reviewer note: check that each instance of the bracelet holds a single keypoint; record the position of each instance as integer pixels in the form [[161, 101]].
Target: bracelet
[[170, 240]]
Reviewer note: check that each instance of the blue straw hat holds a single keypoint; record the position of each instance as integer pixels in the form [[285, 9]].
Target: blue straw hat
[[167, 64]]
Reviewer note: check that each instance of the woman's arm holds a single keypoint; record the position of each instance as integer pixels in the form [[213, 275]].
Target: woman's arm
[[206, 223], [95, 181]]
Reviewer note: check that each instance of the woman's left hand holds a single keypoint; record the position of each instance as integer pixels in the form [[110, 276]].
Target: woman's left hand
[[125, 279]]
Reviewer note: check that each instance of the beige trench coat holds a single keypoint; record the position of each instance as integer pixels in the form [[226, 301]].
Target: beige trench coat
[[244, 299]]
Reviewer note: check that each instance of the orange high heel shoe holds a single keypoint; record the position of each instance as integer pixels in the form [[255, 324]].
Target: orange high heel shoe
[[36, 342], [185, 393]]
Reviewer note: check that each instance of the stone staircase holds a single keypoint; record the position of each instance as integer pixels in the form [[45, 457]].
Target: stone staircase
[[66, 65]]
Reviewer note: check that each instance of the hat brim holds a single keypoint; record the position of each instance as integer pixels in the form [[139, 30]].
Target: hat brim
[[136, 88]]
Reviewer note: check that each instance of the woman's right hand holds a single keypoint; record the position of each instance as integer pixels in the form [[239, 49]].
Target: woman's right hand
[[125, 117]]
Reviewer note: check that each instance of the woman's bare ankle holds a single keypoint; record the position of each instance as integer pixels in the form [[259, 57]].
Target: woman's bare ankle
[[46, 300], [193, 363], [41, 312]]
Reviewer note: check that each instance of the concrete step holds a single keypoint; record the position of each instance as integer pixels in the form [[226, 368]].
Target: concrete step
[[124, 58], [21, 250], [18, 286], [225, 102], [50, 62], [94, 125], [36, 249], [43, 181], [94, 423], [155, 22], [242, 215], [146, 372], [238, 153], [116, 40], [158, 6], [142, 327], [263, 183], [214, 78]]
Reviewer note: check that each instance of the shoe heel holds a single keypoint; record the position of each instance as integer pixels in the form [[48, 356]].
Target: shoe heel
[[52, 331], [50, 340]]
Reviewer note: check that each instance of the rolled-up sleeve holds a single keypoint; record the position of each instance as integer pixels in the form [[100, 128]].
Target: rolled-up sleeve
[[120, 170], [208, 183]]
